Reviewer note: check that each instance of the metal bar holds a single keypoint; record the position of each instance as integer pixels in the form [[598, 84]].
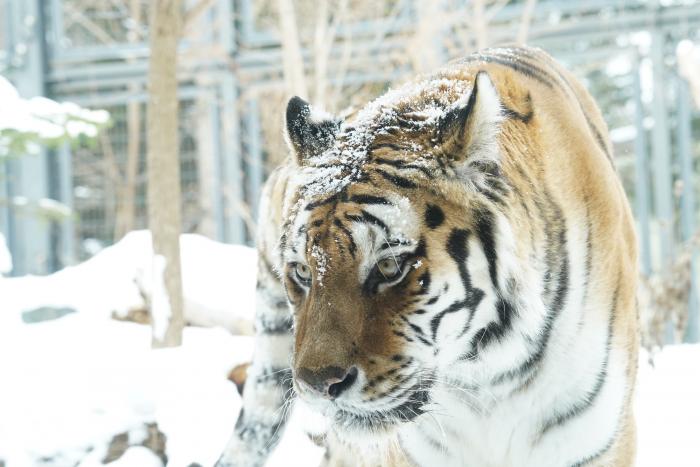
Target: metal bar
[[29, 174], [209, 148], [642, 181], [120, 97], [661, 144], [232, 169], [685, 151], [256, 165], [227, 33], [68, 253]]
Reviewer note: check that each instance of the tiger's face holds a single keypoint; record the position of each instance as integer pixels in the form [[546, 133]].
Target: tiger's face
[[388, 257]]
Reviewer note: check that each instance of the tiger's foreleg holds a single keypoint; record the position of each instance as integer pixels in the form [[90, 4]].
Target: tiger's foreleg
[[268, 393]]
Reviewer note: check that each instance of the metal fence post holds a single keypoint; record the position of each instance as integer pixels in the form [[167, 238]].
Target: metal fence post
[[254, 156], [661, 146], [231, 164], [685, 151], [642, 183], [29, 235]]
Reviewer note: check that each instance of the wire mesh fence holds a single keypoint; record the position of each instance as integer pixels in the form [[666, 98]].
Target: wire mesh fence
[[234, 88]]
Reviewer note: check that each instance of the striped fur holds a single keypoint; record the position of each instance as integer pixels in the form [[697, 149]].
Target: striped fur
[[508, 336]]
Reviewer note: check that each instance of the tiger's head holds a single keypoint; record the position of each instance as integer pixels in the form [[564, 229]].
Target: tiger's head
[[389, 248]]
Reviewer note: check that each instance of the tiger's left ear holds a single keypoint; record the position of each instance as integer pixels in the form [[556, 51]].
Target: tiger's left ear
[[468, 133], [309, 133]]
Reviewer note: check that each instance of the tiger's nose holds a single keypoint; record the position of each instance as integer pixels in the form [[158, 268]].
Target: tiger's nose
[[329, 382]]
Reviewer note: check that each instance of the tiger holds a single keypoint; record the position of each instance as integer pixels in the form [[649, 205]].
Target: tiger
[[448, 276]]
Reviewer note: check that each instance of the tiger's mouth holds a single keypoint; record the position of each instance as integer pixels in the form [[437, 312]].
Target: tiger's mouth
[[377, 421]]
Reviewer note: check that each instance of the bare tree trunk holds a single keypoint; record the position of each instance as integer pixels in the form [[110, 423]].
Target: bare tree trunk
[[479, 23], [425, 48], [525, 21], [322, 49], [126, 212], [164, 215], [293, 62]]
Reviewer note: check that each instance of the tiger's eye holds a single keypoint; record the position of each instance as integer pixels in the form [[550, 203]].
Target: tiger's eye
[[388, 267], [303, 272]]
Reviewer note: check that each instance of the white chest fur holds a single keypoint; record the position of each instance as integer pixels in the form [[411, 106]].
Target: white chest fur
[[478, 428]]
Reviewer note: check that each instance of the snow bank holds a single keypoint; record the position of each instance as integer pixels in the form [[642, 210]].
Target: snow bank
[[218, 283], [74, 383], [668, 408]]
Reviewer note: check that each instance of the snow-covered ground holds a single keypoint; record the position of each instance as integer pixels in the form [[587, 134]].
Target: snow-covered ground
[[218, 283], [69, 385]]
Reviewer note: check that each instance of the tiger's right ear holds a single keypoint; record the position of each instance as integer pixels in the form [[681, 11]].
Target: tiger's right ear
[[309, 133]]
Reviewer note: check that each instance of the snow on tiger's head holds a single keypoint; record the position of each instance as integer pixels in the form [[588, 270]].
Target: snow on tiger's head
[[375, 231]]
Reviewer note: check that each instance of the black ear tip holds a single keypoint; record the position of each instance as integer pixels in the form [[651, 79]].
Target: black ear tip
[[296, 107]]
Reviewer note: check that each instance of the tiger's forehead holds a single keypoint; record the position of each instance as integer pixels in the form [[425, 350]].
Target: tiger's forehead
[[357, 223], [403, 115]]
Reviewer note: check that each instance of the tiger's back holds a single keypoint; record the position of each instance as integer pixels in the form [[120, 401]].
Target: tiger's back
[[518, 344]]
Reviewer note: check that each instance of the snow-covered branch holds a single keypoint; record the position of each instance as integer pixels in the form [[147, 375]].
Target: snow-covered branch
[[24, 123]]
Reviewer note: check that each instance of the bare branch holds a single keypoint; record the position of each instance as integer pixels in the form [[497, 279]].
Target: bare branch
[[195, 12], [495, 9], [94, 29]]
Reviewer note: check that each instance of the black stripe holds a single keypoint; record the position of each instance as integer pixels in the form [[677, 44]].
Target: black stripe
[[515, 115], [291, 281], [351, 242], [458, 249], [396, 180], [275, 326], [485, 231], [394, 242], [372, 219], [587, 399], [401, 334], [435, 321], [596, 132], [259, 434], [589, 254], [524, 68], [399, 164], [314, 204], [278, 376], [433, 300], [493, 331], [596, 455], [419, 396], [557, 264], [369, 199], [417, 332], [534, 65]]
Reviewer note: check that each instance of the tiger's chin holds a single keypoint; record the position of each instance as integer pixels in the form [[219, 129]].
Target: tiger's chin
[[372, 427], [364, 427]]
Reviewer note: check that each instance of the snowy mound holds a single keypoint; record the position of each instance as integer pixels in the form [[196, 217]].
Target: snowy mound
[[218, 283]]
